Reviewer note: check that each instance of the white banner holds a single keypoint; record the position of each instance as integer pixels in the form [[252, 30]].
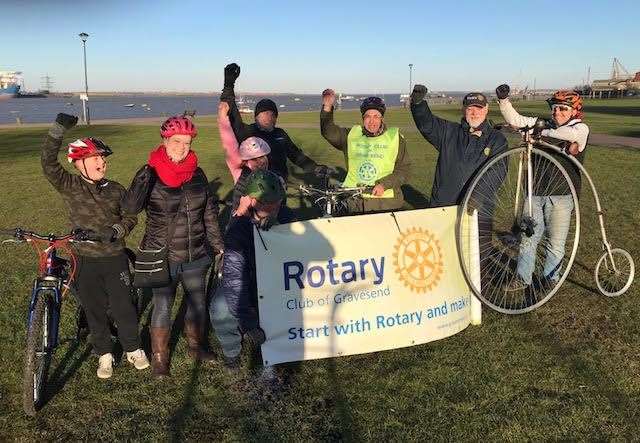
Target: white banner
[[351, 285]]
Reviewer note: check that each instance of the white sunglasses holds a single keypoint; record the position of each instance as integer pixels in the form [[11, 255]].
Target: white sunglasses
[[563, 108]]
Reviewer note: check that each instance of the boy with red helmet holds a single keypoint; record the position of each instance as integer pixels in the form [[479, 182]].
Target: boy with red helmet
[[103, 271]]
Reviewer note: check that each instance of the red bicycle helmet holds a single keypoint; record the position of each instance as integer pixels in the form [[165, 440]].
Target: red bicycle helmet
[[178, 125], [87, 147]]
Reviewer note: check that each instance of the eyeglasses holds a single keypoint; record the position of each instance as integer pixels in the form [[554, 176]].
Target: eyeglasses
[[561, 108]]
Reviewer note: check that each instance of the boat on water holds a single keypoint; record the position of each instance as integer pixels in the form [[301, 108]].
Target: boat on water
[[9, 84], [129, 105]]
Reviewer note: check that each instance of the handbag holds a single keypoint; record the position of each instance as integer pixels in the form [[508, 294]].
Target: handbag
[[151, 266]]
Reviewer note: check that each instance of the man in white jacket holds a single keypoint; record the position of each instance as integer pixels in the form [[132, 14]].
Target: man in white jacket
[[552, 200]]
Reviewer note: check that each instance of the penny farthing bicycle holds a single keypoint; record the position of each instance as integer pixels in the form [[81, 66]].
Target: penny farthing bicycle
[[502, 233]]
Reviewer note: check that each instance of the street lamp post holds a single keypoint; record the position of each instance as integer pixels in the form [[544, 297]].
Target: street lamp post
[[85, 105], [410, 77]]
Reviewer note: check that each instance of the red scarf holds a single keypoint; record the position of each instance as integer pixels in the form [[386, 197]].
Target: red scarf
[[173, 174]]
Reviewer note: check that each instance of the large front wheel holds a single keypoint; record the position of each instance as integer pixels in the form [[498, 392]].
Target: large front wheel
[[38, 354], [518, 230]]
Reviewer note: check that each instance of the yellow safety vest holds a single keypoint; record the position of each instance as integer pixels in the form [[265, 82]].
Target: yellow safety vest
[[371, 158]]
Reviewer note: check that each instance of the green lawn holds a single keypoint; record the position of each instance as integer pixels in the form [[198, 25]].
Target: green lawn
[[567, 371]]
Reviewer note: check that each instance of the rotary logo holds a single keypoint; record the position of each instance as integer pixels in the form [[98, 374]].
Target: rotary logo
[[417, 259], [367, 172]]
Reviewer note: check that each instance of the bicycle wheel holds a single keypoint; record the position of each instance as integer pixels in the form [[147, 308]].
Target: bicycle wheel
[[613, 280], [38, 355], [522, 249]]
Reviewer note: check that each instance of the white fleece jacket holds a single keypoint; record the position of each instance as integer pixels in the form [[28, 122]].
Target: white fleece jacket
[[573, 131]]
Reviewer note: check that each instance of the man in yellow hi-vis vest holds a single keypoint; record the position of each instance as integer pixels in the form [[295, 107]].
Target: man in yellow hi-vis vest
[[374, 154]]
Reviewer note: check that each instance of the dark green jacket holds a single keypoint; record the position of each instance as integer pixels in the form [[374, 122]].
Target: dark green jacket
[[337, 137], [91, 206]]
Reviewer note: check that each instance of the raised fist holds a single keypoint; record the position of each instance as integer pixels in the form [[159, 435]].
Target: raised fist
[[66, 121], [502, 91], [231, 74], [328, 98], [418, 94]]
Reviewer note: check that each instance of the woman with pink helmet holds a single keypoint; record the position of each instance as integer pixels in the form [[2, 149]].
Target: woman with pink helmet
[[182, 221]]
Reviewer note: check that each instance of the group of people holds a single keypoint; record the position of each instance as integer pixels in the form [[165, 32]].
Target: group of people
[[182, 216]]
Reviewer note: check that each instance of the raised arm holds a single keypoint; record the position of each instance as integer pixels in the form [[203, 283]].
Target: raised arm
[[229, 142], [432, 128], [334, 134], [240, 128], [58, 176], [510, 115]]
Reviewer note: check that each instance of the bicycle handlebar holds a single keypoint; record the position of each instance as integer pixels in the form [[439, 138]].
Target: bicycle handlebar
[[308, 189], [78, 235]]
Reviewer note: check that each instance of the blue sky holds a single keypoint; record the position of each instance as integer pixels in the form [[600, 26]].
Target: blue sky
[[303, 47]]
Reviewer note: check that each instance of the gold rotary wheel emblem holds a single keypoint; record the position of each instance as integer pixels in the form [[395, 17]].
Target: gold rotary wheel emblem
[[417, 259]]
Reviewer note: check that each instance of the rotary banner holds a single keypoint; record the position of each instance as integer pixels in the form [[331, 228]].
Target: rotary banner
[[352, 285]]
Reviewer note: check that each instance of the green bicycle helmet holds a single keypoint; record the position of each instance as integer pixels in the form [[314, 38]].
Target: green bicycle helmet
[[264, 186]]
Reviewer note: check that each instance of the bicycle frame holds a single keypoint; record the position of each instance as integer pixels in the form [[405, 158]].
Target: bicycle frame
[[605, 242], [530, 142], [50, 282]]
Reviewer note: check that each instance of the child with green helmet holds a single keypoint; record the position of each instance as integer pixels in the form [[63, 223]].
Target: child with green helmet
[[234, 306]]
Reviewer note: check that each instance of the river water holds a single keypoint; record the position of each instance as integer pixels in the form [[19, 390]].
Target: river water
[[44, 110]]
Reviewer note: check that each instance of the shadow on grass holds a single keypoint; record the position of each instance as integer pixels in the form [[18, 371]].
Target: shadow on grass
[[340, 405], [592, 372], [67, 367], [180, 418]]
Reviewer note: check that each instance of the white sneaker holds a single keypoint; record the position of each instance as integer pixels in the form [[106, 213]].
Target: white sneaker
[[138, 359], [105, 366]]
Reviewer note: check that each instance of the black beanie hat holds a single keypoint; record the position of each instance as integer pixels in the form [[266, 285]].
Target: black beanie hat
[[266, 104]]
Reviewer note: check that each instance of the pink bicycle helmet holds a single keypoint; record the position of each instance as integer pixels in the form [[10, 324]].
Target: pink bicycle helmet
[[178, 125], [253, 147]]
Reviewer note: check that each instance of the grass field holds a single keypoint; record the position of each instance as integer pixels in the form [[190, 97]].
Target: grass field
[[568, 371]]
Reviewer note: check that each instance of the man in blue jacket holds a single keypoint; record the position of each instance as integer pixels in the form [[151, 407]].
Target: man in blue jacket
[[463, 147], [234, 308]]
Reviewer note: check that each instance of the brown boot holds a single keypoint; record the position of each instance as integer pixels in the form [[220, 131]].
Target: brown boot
[[196, 342], [160, 349]]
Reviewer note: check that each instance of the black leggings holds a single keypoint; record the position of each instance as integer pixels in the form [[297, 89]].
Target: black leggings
[[104, 282], [194, 286]]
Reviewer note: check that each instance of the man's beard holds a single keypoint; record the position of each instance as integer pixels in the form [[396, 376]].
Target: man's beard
[[474, 123]]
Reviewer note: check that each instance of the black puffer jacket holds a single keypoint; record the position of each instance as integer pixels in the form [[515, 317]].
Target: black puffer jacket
[[196, 226]]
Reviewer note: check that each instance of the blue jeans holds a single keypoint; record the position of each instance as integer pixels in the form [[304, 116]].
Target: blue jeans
[[552, 215], [228, 324]]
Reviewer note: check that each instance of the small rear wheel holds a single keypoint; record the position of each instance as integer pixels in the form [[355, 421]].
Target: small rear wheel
[[38, 355], [614, 274]]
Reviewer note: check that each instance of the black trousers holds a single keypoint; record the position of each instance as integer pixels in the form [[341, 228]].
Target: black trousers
[[105, 282]]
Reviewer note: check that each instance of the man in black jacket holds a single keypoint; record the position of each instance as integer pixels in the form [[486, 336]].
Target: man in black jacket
[[463, 147], [266, 116]]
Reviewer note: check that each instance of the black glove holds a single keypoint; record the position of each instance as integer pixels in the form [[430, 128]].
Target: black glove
[[66, 121], [107, 235], [321, 171], [231, 74], [502, 91], [418, 94], [540, 125]]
